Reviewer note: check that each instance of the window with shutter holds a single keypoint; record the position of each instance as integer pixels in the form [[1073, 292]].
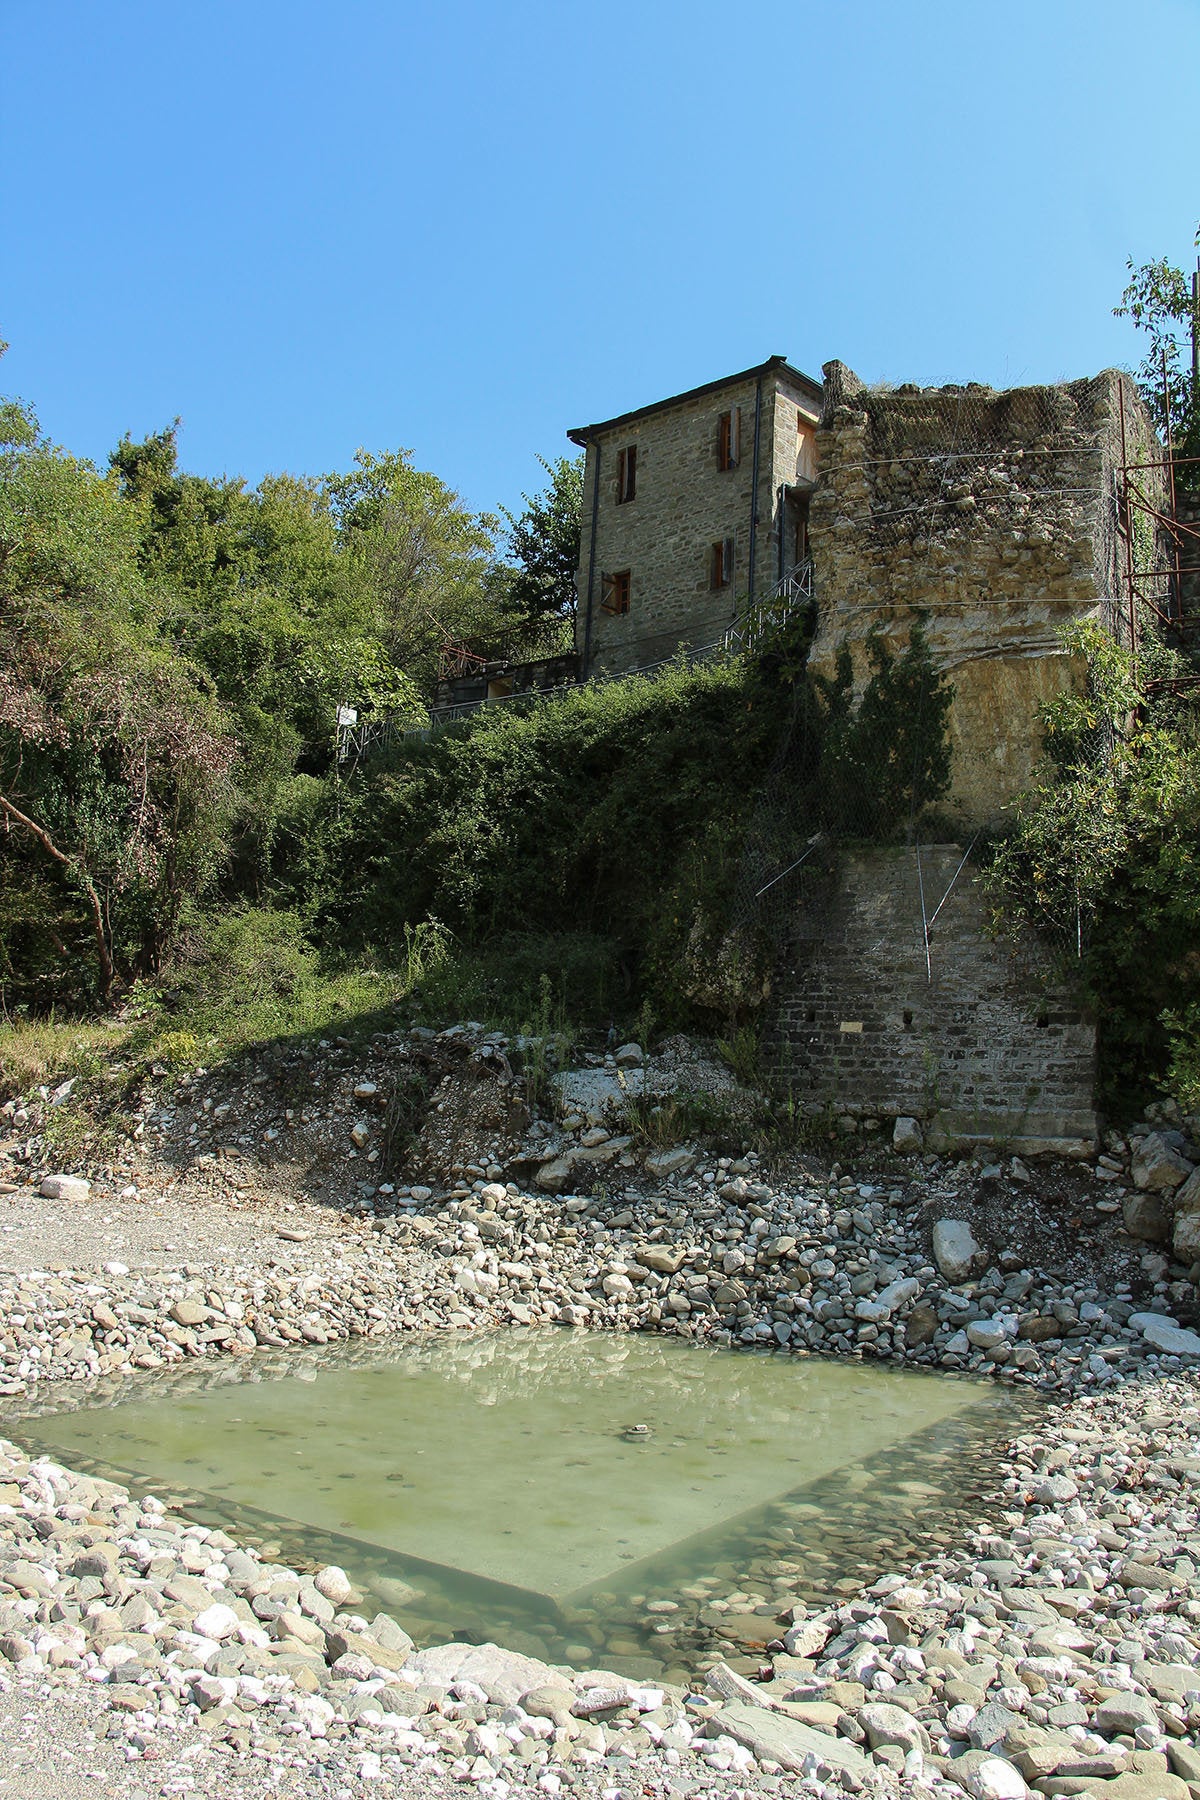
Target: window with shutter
[[721, 563], [626, 474], [614, 593]]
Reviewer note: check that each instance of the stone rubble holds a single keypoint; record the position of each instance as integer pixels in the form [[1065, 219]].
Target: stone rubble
[[1056, 1650], [707, 1249]]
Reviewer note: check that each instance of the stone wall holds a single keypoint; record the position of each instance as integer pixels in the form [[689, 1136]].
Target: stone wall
[[990, 516], [981, 1043], [684, 504], [1187, 512]]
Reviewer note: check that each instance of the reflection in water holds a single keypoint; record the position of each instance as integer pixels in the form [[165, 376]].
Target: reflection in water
[[584, 1496]]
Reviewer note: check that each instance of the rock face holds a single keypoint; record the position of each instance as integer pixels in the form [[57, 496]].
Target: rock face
[[334, 1584], [954, 1249], [554, 1176], [1185, 1238], [189, 1313], [1165, 1334], [1187, 1196], [663, 1259], [504, 1675], [886, 1724], [951, 503], [1147, 1215], [1185, 1233], [995, 1779], [921, 1326], [907, 1136], [670, 1162], [786, 1741], [1125, 1715], [1156, 1165]]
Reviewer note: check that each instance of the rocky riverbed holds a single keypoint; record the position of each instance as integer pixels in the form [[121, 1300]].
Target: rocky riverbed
[[1054, 1644]]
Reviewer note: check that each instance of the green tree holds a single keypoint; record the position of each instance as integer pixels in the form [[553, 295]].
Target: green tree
[[114, 753], [259, 588], [1158, 298], [418, 557], [1103, 861], [543, 543]]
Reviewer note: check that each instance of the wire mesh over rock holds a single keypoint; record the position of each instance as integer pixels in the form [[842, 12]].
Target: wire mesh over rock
[[993, 518]]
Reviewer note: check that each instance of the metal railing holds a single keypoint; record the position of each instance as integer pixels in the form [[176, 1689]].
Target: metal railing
[[744, 637], [792, 595], [797, 586]]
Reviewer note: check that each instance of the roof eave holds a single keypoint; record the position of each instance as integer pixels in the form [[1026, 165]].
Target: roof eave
[[583, 434]]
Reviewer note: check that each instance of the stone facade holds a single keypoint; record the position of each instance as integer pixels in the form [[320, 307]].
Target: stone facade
[[995, 520], [991, 517], [683, 505], [1187, 516], [980, 1042]]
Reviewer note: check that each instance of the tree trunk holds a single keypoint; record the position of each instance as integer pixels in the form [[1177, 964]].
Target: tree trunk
[[108, 974]]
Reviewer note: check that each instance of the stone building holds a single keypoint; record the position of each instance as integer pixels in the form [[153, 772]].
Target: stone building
[[993, 520], [991, 517], [694, 509]]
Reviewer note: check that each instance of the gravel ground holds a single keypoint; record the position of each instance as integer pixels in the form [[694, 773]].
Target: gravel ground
[[1058, 1644], [55, 1748], [151, 1232]]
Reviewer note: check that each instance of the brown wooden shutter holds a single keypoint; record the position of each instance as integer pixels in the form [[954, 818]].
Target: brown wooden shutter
[[721, 563], [614, 593]]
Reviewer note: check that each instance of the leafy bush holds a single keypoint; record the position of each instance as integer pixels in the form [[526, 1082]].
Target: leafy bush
[[1104, 862], [601, 837], [502, 982], [1183, 1067], [545, 839], [249, 975], [247, 959]]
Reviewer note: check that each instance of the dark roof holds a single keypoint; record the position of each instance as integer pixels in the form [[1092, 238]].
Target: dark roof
[[773, 365]]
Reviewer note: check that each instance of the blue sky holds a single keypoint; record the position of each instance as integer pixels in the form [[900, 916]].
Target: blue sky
[[461, 227]]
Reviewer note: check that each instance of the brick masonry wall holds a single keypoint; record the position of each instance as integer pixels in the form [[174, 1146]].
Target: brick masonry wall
[[683, 505], [983, 1045]]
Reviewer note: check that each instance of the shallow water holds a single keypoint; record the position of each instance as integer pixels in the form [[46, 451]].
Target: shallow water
[[558, 1490]]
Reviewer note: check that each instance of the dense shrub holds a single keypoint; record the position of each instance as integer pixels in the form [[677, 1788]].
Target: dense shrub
[[1104, 862], [560, 826], [617, 818]]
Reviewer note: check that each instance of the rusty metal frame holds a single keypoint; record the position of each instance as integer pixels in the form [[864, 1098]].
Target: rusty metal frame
[[1170, 569]]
